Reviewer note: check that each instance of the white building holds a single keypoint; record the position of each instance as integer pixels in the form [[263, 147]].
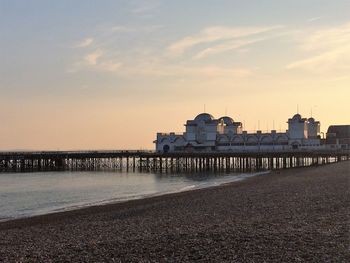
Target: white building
[[205, 133]]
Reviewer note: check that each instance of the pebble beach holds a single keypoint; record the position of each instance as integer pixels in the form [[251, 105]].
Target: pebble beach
[[293, 215]]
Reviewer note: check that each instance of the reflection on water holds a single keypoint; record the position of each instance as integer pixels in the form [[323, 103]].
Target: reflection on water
[[27, 194]]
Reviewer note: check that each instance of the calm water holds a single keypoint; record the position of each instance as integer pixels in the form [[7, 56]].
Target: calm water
[[28, 194]]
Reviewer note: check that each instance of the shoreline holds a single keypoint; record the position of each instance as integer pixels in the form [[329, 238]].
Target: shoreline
[[299, 214], [91, 209], [98, 208], [102, 204]]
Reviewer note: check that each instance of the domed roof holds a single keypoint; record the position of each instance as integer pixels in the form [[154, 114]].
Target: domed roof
[[311, 119], [206, 117], [227, 120], [297, 117]]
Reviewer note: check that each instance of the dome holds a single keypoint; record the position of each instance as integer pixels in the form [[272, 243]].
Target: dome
[[227, 120], [204, 117], [297, 117], [311, 120]]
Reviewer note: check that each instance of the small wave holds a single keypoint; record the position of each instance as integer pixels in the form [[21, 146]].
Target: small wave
[[187, 188], [4, 219]]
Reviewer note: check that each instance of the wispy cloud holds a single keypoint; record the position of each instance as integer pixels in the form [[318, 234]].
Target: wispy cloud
[[96, 61], [333, 59], [330, 48], [85, 43], [313, 19], [91, 58], [202, 72], [109, 54], [215, 72], [109, 66], [144, 8], [227, 46], [136, 29], [216, 33]]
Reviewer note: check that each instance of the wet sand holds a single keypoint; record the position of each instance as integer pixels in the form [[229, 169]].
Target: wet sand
[[293, 215]]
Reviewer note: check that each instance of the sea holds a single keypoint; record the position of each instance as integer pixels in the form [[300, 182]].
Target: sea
[[28, 194]]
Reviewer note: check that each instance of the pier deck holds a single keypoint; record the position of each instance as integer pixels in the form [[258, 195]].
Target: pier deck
[[154, 161]]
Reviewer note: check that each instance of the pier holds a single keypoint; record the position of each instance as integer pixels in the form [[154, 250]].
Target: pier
[[166, 162]]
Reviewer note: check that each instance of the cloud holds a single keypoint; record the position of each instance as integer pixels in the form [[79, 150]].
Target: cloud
[[111, 54], [201, 72], [227, 46], [96, 61], [216, 33], [313, 19], [91, 58], [214, 72], [330, 48], [327, 38], [137, 29], [145, 7], [324, 61], [109, 66], [85, 43]]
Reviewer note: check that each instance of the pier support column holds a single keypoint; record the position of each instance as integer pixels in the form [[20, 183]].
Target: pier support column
[[161, 164]]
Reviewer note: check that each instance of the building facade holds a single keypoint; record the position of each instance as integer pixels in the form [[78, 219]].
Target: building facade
[[205, 133], [338, 135]]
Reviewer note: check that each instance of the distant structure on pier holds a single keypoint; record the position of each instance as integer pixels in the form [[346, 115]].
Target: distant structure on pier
[[338, 135], [205, 133]]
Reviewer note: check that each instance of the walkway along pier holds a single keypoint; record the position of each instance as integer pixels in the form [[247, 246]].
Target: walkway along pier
[[164, 162]]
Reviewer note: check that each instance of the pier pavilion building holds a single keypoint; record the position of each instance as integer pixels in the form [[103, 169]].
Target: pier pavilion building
[[339, 135], [206, 133]]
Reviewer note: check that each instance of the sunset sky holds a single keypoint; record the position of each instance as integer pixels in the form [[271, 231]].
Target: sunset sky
[[110, 74]]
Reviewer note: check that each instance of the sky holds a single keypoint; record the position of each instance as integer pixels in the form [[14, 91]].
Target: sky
[[111, 74]]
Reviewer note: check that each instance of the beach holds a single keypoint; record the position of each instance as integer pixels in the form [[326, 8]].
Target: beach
[[292, 215]]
